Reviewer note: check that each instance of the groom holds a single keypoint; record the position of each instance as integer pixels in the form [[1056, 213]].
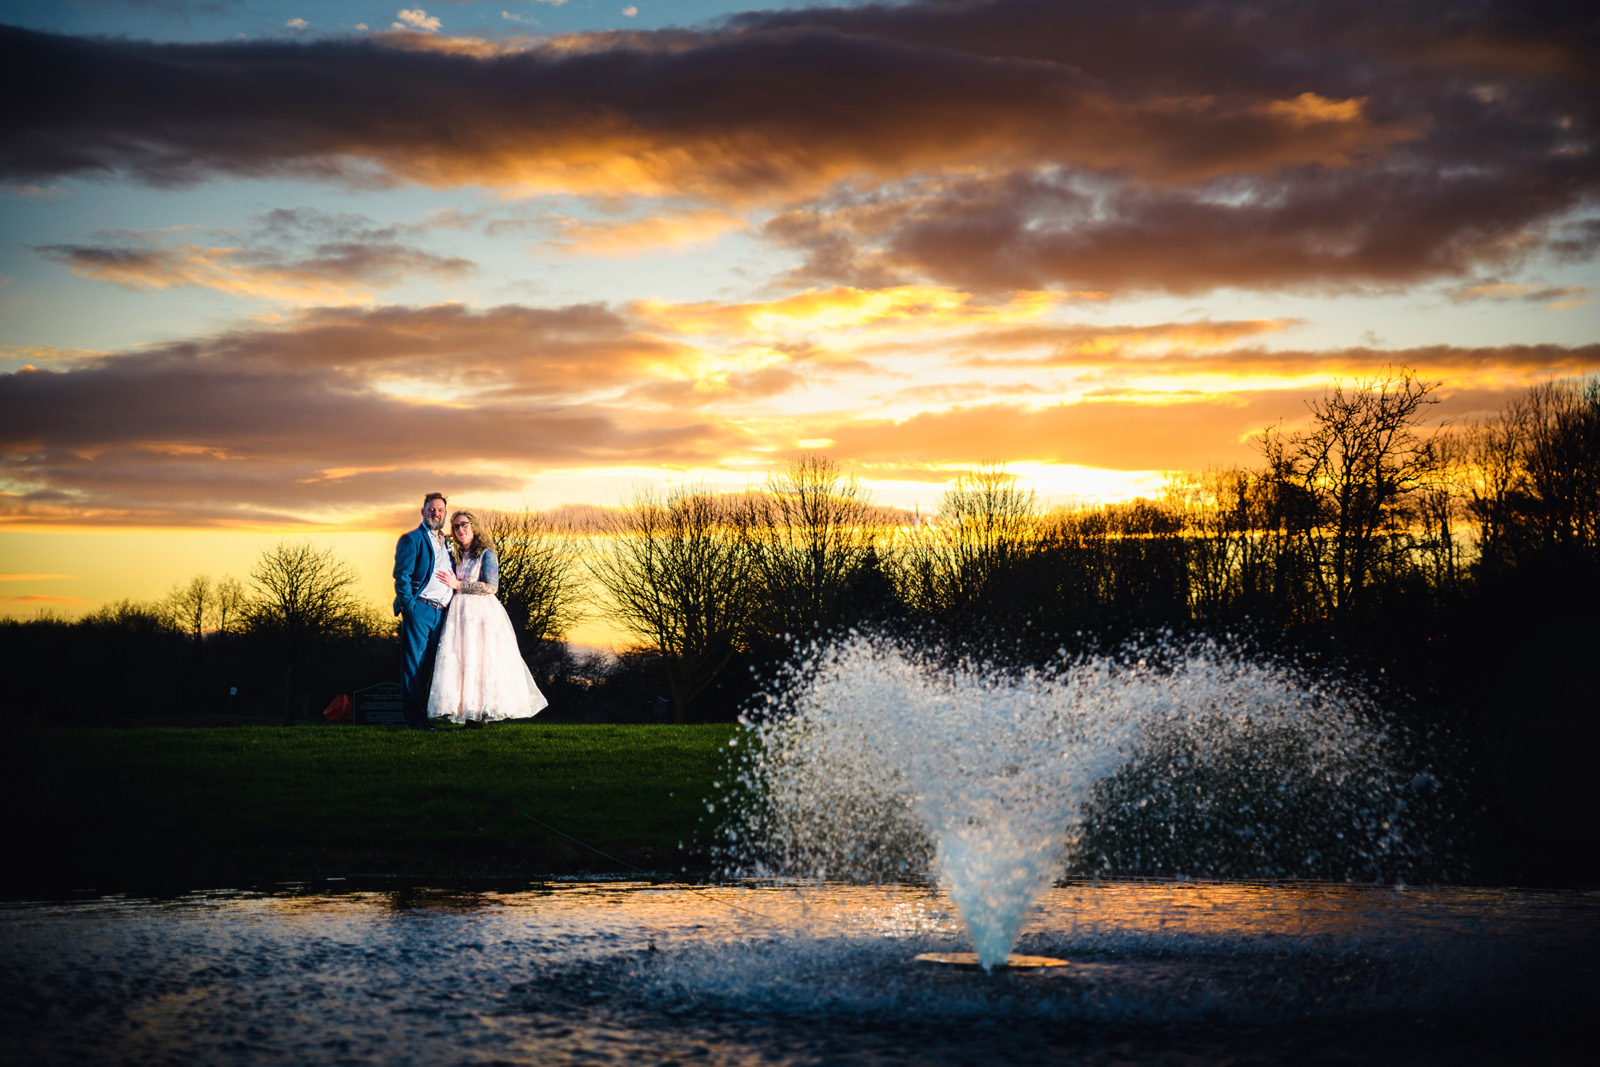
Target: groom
[[420, 599]]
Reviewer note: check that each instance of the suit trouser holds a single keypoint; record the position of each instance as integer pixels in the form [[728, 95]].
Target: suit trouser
[[419, 640]]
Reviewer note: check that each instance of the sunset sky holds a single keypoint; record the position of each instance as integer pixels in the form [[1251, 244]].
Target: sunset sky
[[276, 269]]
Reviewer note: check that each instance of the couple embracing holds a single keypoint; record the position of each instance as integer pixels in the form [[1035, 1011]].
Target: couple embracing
[[461, 660]]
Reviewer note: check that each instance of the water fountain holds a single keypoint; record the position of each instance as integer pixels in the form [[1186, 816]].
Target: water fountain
[[875, 760]]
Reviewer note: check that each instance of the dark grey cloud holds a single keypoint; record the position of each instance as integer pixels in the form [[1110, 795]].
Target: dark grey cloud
[[296, 254], [1309, 228], [1173, 144]]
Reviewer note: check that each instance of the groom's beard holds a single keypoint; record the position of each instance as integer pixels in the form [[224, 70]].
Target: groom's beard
[[433, 524]]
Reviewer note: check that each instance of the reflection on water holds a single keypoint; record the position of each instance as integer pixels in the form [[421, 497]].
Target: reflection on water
[[620, 972]]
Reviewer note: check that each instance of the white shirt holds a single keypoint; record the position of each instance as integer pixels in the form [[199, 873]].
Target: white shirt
[[436, 590]]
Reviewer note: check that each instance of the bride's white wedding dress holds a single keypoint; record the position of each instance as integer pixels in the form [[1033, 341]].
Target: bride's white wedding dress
[[479, 674]]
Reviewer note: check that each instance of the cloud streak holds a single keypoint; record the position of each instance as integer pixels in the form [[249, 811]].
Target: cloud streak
[[672, 230], [294, 256]]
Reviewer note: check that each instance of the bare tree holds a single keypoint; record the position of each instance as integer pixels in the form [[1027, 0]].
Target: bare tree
[[192, 604], [676, 573], [305, 602], [986, 529], [540, 579], [814, 538], [1496, 476], [1533, 474], [1209, 508], [1355, 470], [228, 602], [1563, 462], [1440, 509]]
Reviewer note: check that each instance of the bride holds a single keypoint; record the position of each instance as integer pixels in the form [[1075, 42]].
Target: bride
[[479, 675]]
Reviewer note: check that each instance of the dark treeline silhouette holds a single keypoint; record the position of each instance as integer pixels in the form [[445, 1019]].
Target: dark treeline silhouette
[[715, 585], [273, 647], [1457, 567], [1363, 535]]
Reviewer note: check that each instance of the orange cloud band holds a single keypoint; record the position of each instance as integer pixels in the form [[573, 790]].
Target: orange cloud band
[[342, 411]]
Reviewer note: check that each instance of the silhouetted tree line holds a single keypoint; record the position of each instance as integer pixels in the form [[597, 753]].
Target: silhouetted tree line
[[294, 635], [1426, 556], [1362, 534], [276, 646]]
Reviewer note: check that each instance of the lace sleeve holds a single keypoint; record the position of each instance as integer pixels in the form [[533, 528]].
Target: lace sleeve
[[488, 580]]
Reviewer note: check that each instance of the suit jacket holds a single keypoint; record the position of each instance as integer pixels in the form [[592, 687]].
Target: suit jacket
[[413, 566]]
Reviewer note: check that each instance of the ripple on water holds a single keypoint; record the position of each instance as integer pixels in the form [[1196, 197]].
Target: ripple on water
[[1200, 972]]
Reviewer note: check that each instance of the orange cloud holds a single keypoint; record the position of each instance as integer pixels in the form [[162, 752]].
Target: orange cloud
[[1087, 345], [918, 307], [670, 231], [1132, 432], [1556, 298], [1309, 109], [338, 412], [450, 351], [1112, 434], [473, 47], [47, 354], [1489, 367]]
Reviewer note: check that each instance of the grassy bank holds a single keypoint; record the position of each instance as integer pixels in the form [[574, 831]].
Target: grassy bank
[[237, 805]]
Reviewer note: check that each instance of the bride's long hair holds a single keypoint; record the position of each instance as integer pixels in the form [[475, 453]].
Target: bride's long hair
[[481, 541]]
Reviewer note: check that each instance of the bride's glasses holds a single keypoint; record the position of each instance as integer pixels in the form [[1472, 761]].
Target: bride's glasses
[[460, 524]]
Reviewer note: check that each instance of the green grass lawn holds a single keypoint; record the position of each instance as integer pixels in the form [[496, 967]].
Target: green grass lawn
[[115, 808]]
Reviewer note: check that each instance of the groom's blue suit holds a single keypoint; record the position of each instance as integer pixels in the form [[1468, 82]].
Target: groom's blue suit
[[419, 622]]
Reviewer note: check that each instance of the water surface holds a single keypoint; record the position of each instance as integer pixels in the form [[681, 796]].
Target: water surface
[[581, 973]]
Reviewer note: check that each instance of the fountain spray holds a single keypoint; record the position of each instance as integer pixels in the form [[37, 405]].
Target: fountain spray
[[875, 760]]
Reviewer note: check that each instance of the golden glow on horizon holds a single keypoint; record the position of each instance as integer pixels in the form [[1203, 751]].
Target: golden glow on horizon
[[144, 565]]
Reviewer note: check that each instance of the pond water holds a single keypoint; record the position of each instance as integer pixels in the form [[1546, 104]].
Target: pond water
[[611, 972]]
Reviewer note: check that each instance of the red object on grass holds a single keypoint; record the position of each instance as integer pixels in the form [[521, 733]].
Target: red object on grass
[[340, 709]]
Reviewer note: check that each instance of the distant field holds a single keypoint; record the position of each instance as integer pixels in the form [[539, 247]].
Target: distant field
[[150, 807]]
